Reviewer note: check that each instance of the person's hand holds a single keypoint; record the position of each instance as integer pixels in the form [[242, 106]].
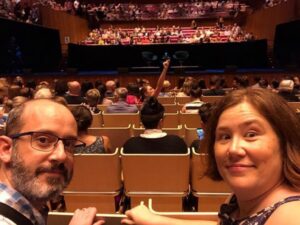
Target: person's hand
[[85, 216], [139, 215], [166, 64]]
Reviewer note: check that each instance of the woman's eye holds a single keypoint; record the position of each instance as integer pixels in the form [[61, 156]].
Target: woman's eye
[[223, 137], [250, 134]]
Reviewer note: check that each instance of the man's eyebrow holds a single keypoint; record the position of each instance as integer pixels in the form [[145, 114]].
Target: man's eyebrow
[[55, 134]]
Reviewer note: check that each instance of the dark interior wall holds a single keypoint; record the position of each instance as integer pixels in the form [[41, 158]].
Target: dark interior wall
[[28, 46], [263, 22], [71, 28], [287, 44]]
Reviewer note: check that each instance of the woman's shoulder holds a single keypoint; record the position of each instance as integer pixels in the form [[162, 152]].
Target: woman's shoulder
[[287, 212]]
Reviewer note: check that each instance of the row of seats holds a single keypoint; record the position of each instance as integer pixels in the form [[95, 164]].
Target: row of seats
[[171, 120], [165, 178], [119, 135], [63, 218]]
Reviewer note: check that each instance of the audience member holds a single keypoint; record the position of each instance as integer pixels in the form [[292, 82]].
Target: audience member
[[186, 88], [121, 106], [148, 91], [74, 93], [94, 144], [256, 152], [166, 89], [60, 87], [214, 87], [18, 100], [133, 95], [92, 99], [286, 90], [36, 156], [154, 140], [43, 93], [195, 104], [110, 88], [103, 100], [204, 113]]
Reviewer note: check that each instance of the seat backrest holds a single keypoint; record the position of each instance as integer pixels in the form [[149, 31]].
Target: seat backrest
[[211, 99], [295, 106], [191, 120], [170, 108], [97, 120], [166, 100], [155, 173], [102, 107], [202, 183], [120, 119], [171, 120], [96, 173], [183, 100], [117, 135], [190, 135]]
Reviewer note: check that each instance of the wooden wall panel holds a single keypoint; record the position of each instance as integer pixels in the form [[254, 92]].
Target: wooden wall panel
[[263, 21], [70, 27]]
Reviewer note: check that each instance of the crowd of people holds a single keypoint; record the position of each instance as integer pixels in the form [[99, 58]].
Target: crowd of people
[[174, 34], [147, 11], [272, 3], [20, 11], [250, 137]]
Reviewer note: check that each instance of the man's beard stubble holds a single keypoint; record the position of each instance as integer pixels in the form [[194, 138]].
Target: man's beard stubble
[[29, 184]]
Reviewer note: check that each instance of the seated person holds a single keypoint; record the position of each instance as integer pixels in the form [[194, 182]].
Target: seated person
[[195, 104], [215, 88], [121, 106], [148, 91], [153, 140], [204, 113], [92, 97], [286, 90], [133, 95], [94, 144]]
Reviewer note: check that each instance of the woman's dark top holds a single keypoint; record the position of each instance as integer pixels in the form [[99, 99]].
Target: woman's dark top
[[259, 218], [96, 147], [169, 144]]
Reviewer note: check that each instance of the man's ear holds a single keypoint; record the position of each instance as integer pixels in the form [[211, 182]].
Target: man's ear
[[5, 149]]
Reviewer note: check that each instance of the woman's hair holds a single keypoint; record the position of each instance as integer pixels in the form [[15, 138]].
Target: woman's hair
[[196, 91], [83, 117], [151, 113], [102, 89], [205, 111], [284, 121], [133, 89], [92, 97]]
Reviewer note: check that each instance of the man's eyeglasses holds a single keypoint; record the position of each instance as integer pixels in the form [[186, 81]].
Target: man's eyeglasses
[[46, 142]]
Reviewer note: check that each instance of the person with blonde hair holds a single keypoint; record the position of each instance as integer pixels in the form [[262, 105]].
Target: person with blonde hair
[[92, 97]]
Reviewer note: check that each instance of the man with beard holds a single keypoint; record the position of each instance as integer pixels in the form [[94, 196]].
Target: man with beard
[[36, 156]]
